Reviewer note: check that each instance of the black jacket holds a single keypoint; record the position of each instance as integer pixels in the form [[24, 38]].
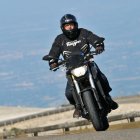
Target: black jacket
[[63, 45]]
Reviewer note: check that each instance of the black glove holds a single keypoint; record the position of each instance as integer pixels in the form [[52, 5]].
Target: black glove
[[99, 47], [53, 66]]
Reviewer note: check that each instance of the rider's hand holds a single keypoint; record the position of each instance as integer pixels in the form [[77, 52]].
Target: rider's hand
[[53, 66], [99, 48]]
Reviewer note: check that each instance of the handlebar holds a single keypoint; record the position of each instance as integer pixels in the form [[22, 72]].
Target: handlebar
[[93, 53], [63, 62]]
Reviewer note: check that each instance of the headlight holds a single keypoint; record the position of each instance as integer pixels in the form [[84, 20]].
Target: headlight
[[79, 71]]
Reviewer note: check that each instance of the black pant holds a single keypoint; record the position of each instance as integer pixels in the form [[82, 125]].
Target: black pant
[[103, 79]]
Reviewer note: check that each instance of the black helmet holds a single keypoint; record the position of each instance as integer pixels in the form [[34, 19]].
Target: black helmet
[[68, 18]]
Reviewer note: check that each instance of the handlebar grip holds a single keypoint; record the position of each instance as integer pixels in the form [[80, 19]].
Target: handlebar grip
[[61, 63]]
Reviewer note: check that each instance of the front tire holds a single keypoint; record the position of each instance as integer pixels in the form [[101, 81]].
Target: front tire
[[100, 123]]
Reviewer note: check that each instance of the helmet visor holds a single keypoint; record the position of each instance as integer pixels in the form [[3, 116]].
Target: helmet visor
[[69, 26]]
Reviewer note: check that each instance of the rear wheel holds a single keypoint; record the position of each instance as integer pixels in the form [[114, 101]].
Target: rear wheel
[[100, 123]]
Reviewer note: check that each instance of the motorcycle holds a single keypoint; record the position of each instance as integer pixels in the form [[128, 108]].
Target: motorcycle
[[89, 94]]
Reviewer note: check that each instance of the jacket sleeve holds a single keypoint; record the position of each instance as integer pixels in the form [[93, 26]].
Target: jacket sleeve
[[55, 50], [93, 39]]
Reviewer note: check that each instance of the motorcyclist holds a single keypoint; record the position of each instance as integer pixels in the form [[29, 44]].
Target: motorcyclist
[[77, 39]]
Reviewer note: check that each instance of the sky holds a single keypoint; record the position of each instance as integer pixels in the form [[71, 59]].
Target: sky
[[28, 29]]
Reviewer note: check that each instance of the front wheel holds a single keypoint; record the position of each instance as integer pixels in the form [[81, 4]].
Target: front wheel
[[100, 123]]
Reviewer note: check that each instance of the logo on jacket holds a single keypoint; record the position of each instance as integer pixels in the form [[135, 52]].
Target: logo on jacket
[[66, 54], [73, 43]]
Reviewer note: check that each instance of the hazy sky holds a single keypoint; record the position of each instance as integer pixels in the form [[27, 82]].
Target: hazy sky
[[28, 28]]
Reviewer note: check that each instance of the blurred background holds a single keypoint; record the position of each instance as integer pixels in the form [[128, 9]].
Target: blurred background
[[28, 29]]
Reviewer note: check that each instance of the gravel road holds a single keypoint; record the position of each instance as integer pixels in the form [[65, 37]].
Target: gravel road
[[127, 134]]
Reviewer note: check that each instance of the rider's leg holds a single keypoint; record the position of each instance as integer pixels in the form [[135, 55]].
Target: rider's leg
[[69, 94], [106, 87]]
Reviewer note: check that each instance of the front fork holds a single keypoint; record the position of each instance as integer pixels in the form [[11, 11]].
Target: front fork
[[77, 97], [94, 89]]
